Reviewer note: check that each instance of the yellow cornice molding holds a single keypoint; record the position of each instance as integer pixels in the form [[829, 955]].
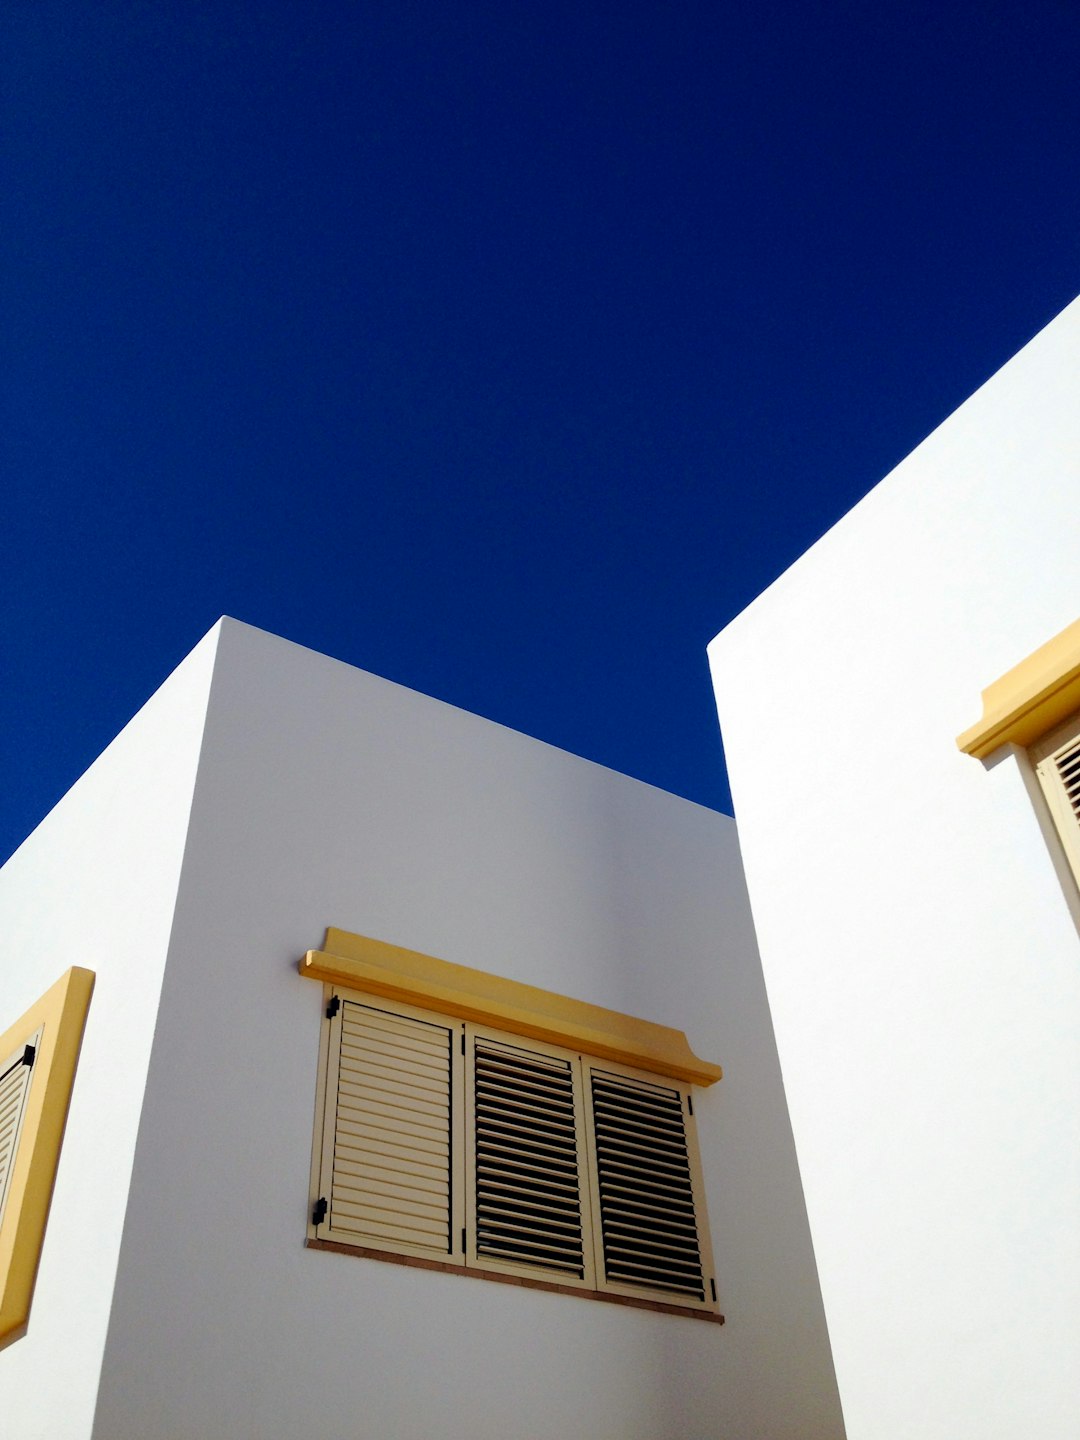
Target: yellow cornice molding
[[61, 1016], [394, 973], [1030, 699]]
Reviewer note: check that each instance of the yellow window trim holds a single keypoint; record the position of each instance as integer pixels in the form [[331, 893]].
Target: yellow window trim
[[377, 968], [1030, 699], [61, 1016]]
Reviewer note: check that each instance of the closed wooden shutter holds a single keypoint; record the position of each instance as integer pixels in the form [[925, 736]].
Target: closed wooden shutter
[[648, 1221], [387, 1149], [527, 1161], [1058, 768], [445, 1140], [15, 1073]]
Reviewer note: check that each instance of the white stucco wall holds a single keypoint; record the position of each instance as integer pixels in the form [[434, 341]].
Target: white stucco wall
[[95, 885], [326, 796], [921, 962]]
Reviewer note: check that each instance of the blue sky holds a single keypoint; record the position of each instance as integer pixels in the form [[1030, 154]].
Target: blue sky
[[506, 350]]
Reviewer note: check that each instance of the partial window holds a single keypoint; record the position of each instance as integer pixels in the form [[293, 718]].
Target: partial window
[[38, 1055], [15, 1073], [1034, 708]]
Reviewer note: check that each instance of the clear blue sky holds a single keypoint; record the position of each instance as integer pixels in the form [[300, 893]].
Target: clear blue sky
[[504, 349]]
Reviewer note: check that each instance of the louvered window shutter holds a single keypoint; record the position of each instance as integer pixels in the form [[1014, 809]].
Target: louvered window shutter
[[387, 1146], [445, 1140], [649, 1226], [15, 1073], [526, 1137], [1057, 764]]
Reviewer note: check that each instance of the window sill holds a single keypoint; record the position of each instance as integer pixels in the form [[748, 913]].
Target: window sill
[[420, 1263]]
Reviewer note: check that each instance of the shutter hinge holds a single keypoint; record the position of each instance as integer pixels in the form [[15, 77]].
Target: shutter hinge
[[464, 1247], [463, 1042], [690, 1102], [713, 1284], [28, 1055], [333, 1007], [318, 1215]]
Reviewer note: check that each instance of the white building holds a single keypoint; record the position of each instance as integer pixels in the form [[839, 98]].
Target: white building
[[264, 794], [214, 1261], [916, 915]]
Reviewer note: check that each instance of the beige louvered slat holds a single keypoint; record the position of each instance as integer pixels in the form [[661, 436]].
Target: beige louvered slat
[[644, 1182], [398, 1142], [424, 1178], [389, 1184], [1068, 769], [15, 1074], [526, 1151], [386, 1230], [381, 1060], [380, 1096]]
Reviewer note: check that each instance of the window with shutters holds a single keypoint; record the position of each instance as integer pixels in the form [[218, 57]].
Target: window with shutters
[[38, 1055], [450, 1143]]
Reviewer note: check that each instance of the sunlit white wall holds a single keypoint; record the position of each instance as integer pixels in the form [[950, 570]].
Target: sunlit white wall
[[921, 961], [327, 796], [95, 885]]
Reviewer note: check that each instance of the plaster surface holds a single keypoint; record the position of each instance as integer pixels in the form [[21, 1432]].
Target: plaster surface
[[95, 885], [918, 941], [327, 796]]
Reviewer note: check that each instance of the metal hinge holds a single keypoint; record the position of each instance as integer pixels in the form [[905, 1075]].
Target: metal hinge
[[28, 1055], [690, 1103], [713, 1284], [318, 1215], [333, 1007]]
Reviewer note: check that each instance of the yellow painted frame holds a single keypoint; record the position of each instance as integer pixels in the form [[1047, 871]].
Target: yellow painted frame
[[377, 968], [61, 1016], [1030, 699]]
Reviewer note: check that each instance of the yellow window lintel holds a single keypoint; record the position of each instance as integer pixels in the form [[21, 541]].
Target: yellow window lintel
[[389, 971], [1030, 699], [61, 1012]]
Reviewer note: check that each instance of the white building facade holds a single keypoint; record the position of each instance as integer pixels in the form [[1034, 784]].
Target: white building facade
[[264, 794], [917, 916]]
